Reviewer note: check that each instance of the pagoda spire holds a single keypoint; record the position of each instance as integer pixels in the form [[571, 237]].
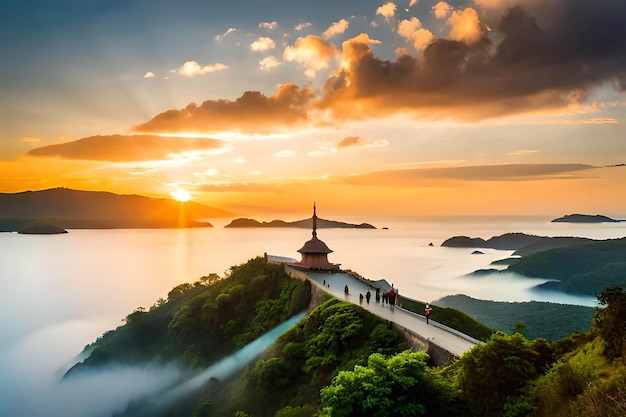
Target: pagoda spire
[[314, 222]]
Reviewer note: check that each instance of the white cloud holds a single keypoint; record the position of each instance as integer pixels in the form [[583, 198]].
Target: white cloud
[[149, 74], [301, 26], [192, 68], [262, 44], [220, 37], [268, 25], [269, 63], [336, 28]]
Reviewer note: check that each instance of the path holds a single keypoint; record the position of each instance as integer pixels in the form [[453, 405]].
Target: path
[[449, 339]]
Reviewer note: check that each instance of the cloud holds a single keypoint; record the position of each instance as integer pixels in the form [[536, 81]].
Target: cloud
[[126, 148], [262, 44], [465, 26], [252, 112], [30, 139], [301, 26], [412, 31], [192, 68], [312, 52], [269, 63], [387, 10], [359, 142], [336, 28], [442, 10], [520, 67], [287, 153], [149, 74], [521, 152], [221, 37], [509, 172], [268, 25], [412, 3]]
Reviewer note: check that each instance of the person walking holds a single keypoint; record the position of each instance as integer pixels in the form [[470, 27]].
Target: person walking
[[368, 295], [345, 289], [392, 298], [427, 312]]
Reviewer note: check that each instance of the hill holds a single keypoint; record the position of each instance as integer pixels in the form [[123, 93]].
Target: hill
[[584, 218], [547, 320], [522, 243], [340, 360], [74, 209], [304, 224], [586, 268]]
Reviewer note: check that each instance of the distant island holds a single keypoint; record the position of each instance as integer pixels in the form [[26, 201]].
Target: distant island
[[75, 209], [42, 228], [585, 218], [303, 224], [521, 243]]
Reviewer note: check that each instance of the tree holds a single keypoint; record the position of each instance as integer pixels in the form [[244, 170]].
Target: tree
[[610, 321], [402, 385], [500, 368]]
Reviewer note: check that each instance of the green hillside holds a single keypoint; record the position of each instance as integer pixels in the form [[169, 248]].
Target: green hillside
[[534, 319], [340, 360], [583, 268]]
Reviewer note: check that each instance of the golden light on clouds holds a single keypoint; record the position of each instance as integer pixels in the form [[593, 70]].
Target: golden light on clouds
[[312, 52], [193, 68], [465, 26]]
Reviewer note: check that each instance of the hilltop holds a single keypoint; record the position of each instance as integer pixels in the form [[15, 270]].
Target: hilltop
[[585, 218], [304, 224], [75, 209], [342, 360]]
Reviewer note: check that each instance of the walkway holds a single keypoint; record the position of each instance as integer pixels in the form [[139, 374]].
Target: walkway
[[449, 339]]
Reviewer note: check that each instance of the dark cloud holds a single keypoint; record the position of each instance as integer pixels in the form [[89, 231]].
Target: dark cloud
[[524, 64], [126, 148], [252, 112]]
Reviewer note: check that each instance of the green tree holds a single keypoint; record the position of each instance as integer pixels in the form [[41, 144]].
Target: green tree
[[402, 385], [498, 369], [610, 321]]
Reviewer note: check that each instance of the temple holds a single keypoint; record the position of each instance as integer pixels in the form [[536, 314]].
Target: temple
[[315, 252]]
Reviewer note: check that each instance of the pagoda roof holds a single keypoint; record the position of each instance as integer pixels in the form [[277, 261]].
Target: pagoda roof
[[314, 246]]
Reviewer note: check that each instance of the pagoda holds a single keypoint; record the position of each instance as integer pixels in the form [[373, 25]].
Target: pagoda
[[315, 252]]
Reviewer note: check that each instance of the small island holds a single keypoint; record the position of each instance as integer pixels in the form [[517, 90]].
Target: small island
[[585, 218], [303, 224], [42, 229]]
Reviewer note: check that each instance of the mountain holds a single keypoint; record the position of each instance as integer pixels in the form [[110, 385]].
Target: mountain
[[304, 224], [585, 218], [522, 243], [74, 209]]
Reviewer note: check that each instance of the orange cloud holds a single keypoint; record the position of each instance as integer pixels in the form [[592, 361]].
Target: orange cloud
[[465, 26], [359, 142], [412, 31], [312, 52], [442, 9], [252, 112], [125, 148], [387, 10]]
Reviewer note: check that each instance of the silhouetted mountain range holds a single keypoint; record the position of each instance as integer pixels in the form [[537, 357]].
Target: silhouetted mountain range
[[74, 209]]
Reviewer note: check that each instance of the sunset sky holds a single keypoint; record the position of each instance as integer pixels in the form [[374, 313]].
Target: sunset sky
[[365, 107]]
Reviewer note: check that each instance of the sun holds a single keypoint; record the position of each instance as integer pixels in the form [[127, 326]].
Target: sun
[[181, 195]]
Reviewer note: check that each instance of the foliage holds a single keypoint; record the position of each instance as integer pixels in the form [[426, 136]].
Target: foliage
[[490, 373], [336, 336], [401, 385], [201, 323], [610, 321]]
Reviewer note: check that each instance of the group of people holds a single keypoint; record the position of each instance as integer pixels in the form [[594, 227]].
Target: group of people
[[388, 297]]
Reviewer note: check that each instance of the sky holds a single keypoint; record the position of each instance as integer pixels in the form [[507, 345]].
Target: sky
[[413, 107]]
